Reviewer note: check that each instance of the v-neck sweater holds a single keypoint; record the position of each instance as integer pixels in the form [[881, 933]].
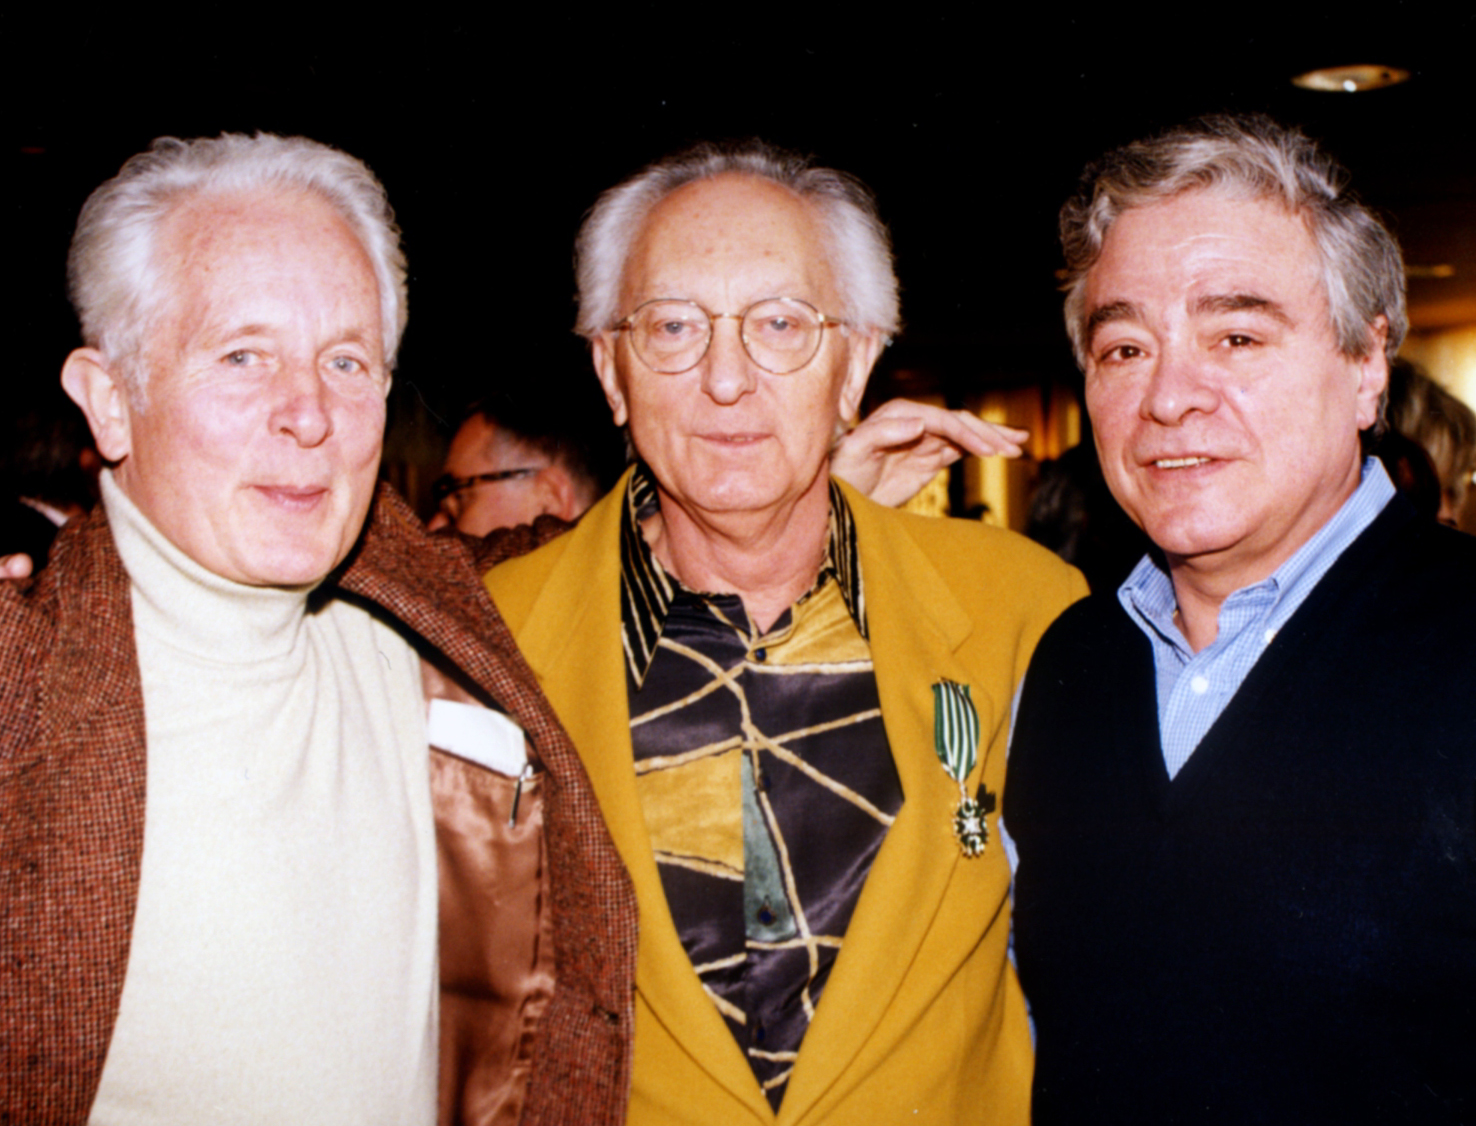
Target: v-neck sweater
[[1283, 931]]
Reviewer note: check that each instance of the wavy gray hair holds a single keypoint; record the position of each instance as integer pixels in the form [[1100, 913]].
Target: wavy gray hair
[[1250, 157], [113, 275], [860, 249]]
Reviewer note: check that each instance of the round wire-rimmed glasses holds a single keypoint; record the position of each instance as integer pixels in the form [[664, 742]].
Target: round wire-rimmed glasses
[[780, 334]]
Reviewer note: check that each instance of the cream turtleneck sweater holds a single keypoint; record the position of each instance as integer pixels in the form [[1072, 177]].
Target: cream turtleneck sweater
[[283, 962]]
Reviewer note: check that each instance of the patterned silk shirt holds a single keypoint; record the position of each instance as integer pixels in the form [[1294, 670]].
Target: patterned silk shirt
[[765, 778]]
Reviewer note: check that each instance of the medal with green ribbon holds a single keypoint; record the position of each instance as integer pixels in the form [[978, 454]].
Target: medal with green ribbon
[[956, 739]]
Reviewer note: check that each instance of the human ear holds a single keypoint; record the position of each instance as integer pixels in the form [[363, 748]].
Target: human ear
[[863, 349], [560, 497], [1373, 373], [603, 351], [92, 384]]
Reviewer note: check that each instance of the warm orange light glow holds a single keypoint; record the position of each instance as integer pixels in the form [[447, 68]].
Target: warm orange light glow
[[1350, 79]]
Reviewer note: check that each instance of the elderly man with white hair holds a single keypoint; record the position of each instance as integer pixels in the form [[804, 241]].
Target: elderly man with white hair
[[219, 825], [792, 703]]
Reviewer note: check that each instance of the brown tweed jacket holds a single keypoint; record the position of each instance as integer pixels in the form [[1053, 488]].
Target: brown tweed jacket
[[72, 765]]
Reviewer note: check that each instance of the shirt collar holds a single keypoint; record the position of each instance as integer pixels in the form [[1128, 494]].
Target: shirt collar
[[1148, 593], [647, 591]]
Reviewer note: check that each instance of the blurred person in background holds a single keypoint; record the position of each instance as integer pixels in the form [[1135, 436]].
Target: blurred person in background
[[48, 475], [516, 456], [1425, 412]]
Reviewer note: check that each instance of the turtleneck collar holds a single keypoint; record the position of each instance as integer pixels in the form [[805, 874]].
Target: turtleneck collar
[[195, 610]]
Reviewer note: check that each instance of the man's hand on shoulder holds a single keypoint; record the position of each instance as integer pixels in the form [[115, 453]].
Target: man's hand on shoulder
[[903, 444], [15, 566]]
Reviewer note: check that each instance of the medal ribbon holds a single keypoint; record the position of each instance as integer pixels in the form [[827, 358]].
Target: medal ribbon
[[955, 730]]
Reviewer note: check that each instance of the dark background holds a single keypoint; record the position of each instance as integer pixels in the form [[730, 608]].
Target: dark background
[[494, 133]]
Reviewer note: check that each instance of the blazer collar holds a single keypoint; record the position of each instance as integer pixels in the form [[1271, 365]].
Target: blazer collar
[[647, 591], [572, 636]]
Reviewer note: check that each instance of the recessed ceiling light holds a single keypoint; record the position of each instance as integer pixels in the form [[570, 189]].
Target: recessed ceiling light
[[1350, 79]]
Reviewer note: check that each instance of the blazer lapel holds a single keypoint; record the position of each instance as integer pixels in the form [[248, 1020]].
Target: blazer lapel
[[85, 795], [571, 637], [916, 626]]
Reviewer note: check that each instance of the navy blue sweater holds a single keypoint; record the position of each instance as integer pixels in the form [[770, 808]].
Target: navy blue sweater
[[1286, 931]]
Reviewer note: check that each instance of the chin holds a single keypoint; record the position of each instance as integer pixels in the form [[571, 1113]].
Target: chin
[[740, 496], [290, 567], [1186, 540]]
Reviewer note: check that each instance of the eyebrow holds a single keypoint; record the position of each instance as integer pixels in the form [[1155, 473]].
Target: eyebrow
[[1241, 302], [1112, 311], [1208, 305]]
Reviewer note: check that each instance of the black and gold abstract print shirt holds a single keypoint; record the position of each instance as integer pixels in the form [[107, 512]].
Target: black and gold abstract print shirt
[[765, 778]]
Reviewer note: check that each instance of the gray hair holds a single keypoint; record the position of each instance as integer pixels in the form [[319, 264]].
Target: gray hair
[[859, 247], [114, 277], [1250, 157]]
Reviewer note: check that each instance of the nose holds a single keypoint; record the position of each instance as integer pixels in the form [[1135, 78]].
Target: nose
[[442, 519], [1180, 384], [301, 410], [727, 371]]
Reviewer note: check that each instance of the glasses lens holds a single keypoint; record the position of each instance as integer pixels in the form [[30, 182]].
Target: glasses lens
[[670, 336], [782, 335]]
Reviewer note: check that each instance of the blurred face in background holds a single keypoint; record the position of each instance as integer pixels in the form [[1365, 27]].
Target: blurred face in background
[[492, 480]]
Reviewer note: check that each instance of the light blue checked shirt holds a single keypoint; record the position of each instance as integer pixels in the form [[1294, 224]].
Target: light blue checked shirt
[[1194, 688]]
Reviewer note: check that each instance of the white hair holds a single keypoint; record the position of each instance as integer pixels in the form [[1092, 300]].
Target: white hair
[[859, 248], [113, 273], [1251, 157]]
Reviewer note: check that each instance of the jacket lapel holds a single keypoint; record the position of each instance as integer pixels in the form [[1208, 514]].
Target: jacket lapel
[[570, 634], [916, 626], [78, 823]]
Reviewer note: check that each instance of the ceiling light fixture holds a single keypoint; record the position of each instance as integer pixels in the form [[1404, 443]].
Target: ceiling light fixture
[[1350, 79]]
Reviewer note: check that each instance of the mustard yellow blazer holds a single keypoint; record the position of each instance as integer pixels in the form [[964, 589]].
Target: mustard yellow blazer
[[922, 1019]]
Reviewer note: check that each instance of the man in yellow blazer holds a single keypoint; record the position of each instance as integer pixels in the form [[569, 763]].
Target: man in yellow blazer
[[793, 704]]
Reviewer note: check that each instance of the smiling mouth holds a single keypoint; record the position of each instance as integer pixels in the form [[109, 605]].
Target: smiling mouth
[[1180, 462]]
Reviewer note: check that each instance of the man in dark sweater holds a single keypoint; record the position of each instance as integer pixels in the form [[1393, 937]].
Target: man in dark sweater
[[1242, 785]]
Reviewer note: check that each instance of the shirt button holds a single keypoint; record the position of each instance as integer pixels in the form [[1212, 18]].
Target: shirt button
[[1270, 636], [1200, 685], [760, 654]]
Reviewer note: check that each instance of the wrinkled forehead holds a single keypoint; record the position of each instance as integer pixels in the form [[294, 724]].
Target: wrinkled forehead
[[734, 236], [1261, 228], [208, 234], [266, 260], [1208, 243]]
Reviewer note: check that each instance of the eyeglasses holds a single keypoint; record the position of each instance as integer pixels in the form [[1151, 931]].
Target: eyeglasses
[[449, 486], [780, 334]]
